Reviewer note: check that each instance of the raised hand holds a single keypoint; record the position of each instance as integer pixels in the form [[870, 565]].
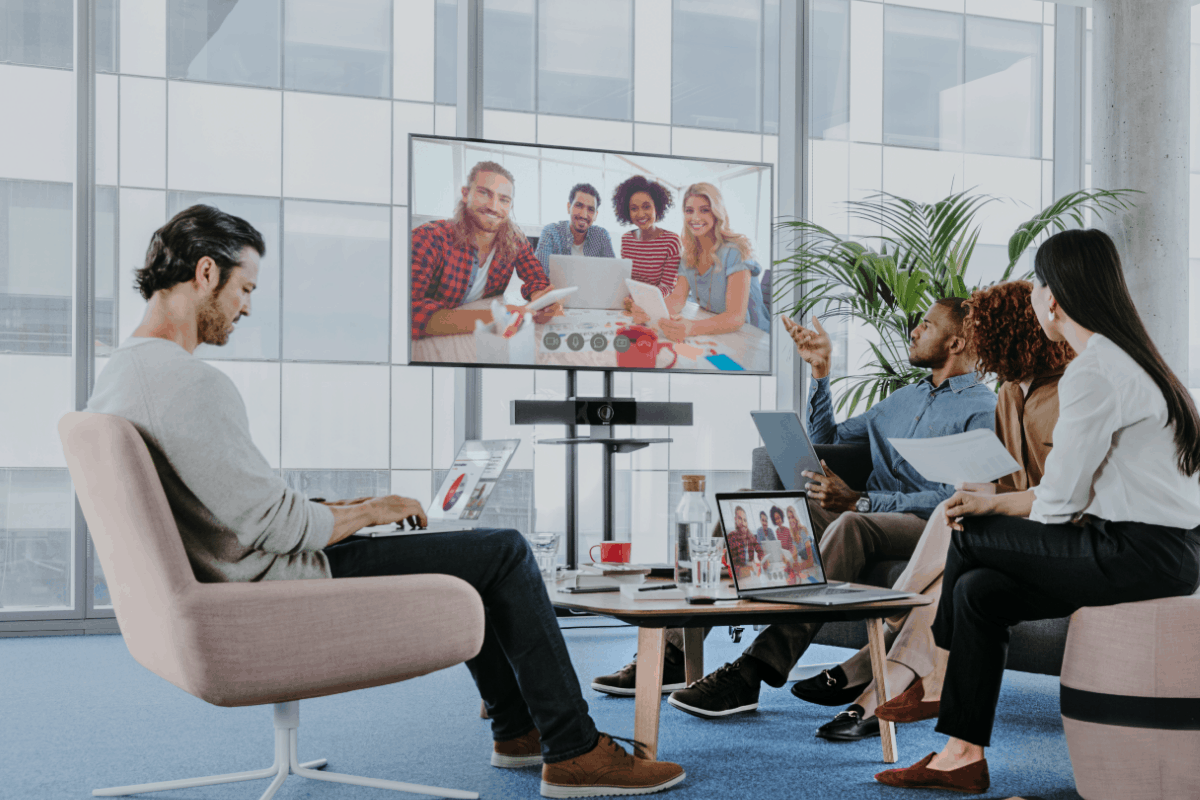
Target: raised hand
[[814, 346]]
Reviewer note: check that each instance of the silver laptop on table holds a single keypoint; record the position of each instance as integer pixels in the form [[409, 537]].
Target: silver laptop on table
[[464, 492], [800, 580], [601, 281]]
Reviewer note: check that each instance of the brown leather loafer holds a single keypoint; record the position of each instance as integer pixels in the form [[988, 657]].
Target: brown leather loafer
[[971, 779], [608, 770], [908, 706], [523, 751]]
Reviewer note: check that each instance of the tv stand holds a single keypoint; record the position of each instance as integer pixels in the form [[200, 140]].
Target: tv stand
[[602, 414]]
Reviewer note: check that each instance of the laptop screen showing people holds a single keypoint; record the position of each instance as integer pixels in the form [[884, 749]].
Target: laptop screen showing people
[[601, 281], [770, 540]]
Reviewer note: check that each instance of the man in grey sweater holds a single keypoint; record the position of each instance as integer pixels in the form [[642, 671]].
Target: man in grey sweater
[[239, 521]]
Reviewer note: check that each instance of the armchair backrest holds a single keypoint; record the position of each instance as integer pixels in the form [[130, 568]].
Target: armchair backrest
[[134, 532]]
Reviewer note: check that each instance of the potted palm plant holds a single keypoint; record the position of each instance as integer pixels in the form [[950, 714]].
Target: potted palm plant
[[888, 281]]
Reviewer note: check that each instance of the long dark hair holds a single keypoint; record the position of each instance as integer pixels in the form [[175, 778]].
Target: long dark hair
[[1083, 271]]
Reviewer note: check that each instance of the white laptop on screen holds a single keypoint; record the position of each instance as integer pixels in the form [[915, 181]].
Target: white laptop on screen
[[601, 281], [464, 492]]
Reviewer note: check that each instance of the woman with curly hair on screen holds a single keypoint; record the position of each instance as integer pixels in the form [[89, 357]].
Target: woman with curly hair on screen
[[717, 270], [654, 251], [1004, 332]]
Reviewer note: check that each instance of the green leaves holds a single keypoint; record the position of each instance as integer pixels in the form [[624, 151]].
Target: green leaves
[[888, 281]]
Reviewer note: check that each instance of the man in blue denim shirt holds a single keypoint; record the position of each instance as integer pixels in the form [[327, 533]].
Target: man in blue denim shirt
[[883, 523], [577, 235]]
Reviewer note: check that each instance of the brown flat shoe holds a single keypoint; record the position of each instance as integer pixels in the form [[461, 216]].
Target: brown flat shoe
[[971, 779], [908, 706], [523, 751]]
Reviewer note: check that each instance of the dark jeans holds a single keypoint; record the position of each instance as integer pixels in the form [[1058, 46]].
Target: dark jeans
[[523, 671], [1005, 570]]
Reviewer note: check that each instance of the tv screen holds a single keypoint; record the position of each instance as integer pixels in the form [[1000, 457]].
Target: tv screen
[[563, 257]]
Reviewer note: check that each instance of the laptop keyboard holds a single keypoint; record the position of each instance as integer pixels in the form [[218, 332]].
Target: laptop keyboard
[[821, 590]]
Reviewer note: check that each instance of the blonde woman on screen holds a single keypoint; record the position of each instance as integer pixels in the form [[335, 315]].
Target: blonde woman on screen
[[717, 270]]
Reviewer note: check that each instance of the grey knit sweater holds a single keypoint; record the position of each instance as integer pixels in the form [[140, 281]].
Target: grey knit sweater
[[238, 519]]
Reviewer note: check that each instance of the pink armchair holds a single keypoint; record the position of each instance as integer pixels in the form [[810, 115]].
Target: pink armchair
[[240, 644]]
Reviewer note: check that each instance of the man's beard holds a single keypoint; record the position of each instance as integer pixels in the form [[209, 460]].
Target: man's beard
[[211, 326], [926, 360], [482, 221], [580, 226]]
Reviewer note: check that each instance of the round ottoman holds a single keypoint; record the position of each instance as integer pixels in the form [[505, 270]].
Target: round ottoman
[[1130, 692]]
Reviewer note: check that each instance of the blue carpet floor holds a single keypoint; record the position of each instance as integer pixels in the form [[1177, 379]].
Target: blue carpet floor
[[78, 713]]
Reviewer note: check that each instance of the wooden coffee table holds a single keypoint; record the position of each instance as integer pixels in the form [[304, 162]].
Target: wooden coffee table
[[653, 617]]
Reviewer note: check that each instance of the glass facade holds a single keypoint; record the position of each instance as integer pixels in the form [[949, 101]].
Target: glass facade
[[295, 114]]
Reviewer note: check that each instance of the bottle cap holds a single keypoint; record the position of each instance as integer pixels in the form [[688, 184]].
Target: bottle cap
[[693, 483]]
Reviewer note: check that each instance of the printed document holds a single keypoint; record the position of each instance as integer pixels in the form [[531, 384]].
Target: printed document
[[975, 457]]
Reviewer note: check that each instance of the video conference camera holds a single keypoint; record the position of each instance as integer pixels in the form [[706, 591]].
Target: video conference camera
[[599, 411]]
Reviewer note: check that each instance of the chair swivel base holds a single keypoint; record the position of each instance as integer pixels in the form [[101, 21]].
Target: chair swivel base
[[287, 720]]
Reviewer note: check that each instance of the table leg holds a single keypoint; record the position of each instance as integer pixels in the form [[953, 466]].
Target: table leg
[[887, 730], [693, 654], [652, 644]]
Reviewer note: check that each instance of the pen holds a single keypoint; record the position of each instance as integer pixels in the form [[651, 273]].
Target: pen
[[657, 588]]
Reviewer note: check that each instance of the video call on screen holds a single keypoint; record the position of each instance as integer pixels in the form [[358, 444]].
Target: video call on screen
[[668, 259]]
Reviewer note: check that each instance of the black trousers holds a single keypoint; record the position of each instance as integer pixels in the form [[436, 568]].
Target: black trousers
[[1005, 570]]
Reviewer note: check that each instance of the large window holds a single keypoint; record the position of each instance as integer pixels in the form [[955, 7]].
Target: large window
[[721, 53], [956, 82]]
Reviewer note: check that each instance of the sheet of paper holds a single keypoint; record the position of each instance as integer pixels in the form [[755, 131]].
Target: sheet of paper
[[975, 456]]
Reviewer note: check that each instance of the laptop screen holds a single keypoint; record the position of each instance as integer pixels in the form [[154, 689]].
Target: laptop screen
[[770, 540], [472, 477]]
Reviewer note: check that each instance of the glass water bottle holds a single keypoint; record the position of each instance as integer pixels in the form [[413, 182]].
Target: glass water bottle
[[693, 519]]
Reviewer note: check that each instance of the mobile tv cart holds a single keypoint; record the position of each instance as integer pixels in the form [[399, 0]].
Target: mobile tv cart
[[602, 414]]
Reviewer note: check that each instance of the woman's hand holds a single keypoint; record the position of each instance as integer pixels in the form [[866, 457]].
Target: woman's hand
[[627, 303], [676, 328], [639, 317], [967, 504]]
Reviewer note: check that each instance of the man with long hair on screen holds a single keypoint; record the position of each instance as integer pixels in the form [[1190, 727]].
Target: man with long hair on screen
[[239, 520], [471, 256]]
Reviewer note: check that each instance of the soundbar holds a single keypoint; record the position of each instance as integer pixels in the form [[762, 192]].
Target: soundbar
[[599, 411]]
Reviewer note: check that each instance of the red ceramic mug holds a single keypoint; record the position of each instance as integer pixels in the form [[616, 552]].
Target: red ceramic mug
[[612, 552], [643, 349]]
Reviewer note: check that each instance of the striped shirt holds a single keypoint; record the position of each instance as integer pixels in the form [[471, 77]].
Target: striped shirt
[[655, 262]]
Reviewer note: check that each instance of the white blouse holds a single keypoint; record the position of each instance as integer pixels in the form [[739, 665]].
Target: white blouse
[[1114, 454]]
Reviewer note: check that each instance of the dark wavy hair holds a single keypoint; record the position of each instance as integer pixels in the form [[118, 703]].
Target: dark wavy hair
[[1083, 270], [586, 188], [639, 183], [1006, 337], [192, 234], [777, 510]]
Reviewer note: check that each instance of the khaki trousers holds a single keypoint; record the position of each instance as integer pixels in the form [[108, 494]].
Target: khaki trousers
[[913, 644]]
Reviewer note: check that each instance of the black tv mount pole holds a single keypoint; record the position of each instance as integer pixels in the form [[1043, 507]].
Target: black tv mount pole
[[602, 414]]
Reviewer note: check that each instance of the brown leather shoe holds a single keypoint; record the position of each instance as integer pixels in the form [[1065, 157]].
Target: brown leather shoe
[[523, 751], [908, 706], [608, 770], [971, 779]]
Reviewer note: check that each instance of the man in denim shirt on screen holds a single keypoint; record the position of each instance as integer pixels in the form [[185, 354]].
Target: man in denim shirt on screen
[[883, 523], [576, 236]]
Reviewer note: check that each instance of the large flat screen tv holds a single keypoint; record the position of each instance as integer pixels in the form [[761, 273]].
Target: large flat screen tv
[[642, 261]]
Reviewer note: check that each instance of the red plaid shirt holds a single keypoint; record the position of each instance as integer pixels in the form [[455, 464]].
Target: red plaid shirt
[[441, 272], [743, 546]]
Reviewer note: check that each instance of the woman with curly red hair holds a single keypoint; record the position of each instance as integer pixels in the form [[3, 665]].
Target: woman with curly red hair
[[1004, 332]]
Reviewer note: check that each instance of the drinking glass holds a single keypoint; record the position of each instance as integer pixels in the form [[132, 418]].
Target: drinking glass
[[545, 552], [706, 561]]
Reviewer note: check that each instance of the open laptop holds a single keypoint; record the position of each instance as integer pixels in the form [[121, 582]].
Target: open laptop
[[798, 582], [788, 445], [465, 490], [601, 281]]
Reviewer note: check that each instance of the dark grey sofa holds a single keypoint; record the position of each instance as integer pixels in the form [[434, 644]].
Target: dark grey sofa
[[1033, 647]]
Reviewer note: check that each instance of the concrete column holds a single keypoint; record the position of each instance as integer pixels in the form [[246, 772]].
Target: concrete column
[[1140, 128]]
